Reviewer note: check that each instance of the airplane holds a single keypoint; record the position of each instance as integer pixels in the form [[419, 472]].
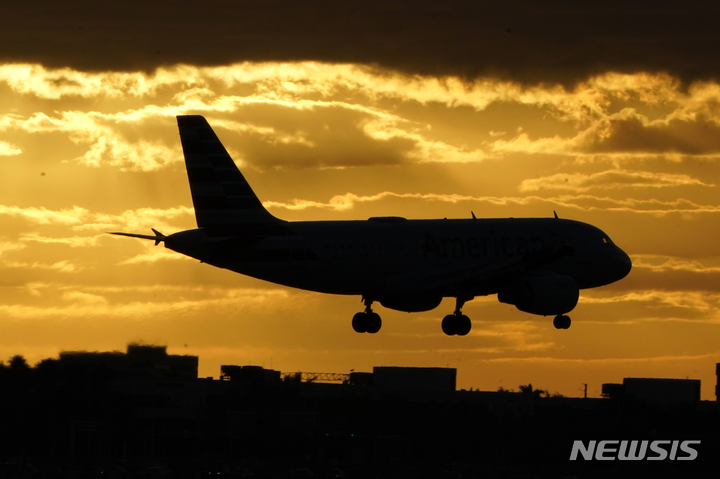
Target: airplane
[[539, 265]]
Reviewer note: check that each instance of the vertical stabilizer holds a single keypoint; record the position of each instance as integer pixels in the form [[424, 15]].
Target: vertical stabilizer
[[220, 193]]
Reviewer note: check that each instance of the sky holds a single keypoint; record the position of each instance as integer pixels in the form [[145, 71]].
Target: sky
[[333, 111]]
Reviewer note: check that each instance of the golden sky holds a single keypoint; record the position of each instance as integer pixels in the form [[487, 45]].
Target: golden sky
[[84, 152]]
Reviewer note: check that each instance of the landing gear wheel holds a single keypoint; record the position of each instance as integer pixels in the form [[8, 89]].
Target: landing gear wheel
[[463, 325], [459, 324], [367, 321], [359, 323], [561, 321], [448, 325], [373, 322]]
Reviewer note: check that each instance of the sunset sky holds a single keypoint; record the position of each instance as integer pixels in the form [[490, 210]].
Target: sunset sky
[[335, 111]]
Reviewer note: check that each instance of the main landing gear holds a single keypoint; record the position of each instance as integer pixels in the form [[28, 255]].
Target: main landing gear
[[561, 321], [367, 321], [457, 323]]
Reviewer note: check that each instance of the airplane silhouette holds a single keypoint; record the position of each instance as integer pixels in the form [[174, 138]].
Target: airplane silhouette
[[537, 264]]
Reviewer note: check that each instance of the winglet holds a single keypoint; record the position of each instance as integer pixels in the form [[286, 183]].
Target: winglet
[[157, 238], [556, 216]]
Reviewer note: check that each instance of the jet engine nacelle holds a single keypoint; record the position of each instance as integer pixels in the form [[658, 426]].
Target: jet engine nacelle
[[411, 304], [545, 295]]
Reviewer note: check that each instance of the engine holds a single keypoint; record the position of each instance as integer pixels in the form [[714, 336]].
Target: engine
[[411, 304], [545, 295]]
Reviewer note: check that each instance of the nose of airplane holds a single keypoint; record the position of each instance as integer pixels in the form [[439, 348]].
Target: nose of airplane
[[620, 263]]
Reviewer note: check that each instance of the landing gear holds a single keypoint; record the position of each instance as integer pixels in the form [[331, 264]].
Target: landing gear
[[457, 323], [367, 321], [561, 321], [453, 324]]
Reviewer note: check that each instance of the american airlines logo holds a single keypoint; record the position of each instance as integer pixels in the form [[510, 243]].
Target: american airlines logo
[[658, 450]]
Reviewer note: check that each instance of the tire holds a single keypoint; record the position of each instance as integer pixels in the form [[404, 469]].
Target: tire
[[463, 325], [360, 323], [561, 321], [449, 325], [373, 323]]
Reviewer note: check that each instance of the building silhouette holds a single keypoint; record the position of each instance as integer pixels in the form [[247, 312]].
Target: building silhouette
[[656, 390], [145, 413]]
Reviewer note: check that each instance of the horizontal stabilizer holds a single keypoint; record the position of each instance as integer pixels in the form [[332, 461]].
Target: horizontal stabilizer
[[157, 238]]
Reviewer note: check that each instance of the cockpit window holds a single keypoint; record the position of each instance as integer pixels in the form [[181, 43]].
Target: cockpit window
[[607, 241]]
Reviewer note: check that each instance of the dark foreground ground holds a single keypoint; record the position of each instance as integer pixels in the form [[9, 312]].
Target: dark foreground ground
[[75, 421]]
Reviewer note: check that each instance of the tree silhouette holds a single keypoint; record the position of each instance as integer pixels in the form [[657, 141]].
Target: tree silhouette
[[536, 393], [18, 364]]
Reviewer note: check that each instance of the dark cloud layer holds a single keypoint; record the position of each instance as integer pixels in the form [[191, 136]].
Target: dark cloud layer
[[526, 41], [697, 137]]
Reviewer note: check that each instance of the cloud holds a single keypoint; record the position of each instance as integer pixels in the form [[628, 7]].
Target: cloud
[[580, 202], [672, 274], [73, 241], [10, 246], [133, 140], [423, 150], [310, 114], [88, 304], [634, 133], [81, 219], [308, 85], [109, 148], [530, 43], [627, 135], [701, 302], [348, 200], [130, 141], [153, 255], [296, 132], [315, 134], [63, 266], [43, 82], [285, 130], [84, 298], [662, 264], [611, 179], [8, 149], [165, 218], [44, 216]]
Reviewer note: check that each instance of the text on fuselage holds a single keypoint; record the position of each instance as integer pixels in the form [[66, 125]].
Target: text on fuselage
[[481, 247]]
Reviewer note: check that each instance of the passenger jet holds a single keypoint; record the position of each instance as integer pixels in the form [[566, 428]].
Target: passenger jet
[[536, 264]]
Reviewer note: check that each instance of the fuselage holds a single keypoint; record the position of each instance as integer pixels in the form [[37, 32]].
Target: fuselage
[[388, 253]]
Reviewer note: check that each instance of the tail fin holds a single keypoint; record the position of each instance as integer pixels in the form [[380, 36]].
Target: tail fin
[[220, 193]]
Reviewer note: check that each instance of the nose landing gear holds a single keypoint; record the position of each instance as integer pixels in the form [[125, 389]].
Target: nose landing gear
[[561, 321], [367, 321]]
